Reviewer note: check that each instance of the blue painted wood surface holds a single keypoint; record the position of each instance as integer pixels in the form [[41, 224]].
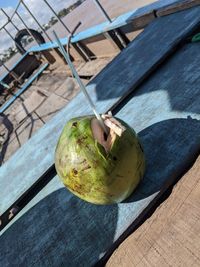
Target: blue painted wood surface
[[58, 229], [47, 45], [119, 77], [24, 88]]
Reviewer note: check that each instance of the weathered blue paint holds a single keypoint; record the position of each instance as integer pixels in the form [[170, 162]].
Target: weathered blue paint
[[58, 229], [47, 45], [105, 90], [20, 91]]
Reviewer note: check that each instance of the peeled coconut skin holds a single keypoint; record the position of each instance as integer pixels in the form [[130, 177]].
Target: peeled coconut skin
[[92, 173]]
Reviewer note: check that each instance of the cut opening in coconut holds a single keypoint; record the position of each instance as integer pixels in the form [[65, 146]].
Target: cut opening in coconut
[[114, 128]]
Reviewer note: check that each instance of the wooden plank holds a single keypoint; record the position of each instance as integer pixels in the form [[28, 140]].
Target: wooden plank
[[142, 20], [179, 6], [93, 67], [165, 112], [28, 106], [52, 104], [69, 88], [146, 12], [170, 237], [151, 48]]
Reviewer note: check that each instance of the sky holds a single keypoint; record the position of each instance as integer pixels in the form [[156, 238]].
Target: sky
[[6, 3], [39, 9]]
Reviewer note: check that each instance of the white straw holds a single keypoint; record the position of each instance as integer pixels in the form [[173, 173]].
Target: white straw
[[82, 86]]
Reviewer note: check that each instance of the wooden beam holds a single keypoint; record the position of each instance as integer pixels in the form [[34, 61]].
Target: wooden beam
[[182, 5], [143, 20]]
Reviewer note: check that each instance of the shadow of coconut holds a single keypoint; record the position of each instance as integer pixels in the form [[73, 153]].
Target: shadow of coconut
[[61, 230], [170, 148]]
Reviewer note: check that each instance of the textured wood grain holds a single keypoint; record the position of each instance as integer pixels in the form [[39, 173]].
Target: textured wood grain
[[28, 106], [179, 6], [170, 237], [142, 20]]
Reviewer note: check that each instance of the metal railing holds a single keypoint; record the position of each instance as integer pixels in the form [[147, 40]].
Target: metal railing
[[78, 46]]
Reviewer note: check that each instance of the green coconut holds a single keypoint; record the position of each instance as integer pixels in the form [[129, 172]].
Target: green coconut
[[97, 168]]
